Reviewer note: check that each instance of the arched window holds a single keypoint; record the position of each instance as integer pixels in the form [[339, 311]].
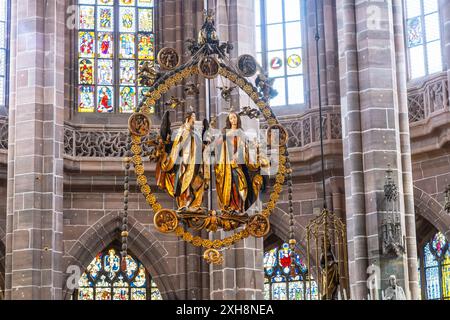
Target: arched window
[[4, 53], [115, 37], [423, 37], [279, 46], [104, 280], [283, 283], [436, 268]]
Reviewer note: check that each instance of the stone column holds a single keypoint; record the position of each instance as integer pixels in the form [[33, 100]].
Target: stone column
[[328, 52], [241, 276], [444, 8], [35, 154], [375, 134]]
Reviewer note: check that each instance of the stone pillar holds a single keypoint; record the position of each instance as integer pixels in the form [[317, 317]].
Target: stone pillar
[[375, 134], [35, 154], [241, 276], [328, 53], [444, 8]]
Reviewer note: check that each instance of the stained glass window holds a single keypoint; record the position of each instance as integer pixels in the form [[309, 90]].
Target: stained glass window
[[279, 46], [436, 262], [4, 50], [284, 282], [423, 37], [114, 38], [105, 280]]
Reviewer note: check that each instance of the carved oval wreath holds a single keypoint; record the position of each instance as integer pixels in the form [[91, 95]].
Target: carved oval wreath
[[155, 93]]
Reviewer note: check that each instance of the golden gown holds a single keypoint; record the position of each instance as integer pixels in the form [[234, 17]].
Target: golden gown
[[236, 190], [180, 170]]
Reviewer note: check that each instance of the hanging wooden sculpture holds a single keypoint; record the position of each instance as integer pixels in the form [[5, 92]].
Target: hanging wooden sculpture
[[182, 169]]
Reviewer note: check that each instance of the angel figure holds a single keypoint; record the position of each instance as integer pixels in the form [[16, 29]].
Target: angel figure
[[180, 170], [238, 181]]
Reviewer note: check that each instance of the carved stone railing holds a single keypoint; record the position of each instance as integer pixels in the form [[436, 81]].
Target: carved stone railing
[[428, 97], [304, 129], [3, 133]]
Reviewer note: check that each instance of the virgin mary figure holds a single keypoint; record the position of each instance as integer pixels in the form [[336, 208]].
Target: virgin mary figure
[[238, 181]]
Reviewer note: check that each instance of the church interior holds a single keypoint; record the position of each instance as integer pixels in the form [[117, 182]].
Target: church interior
[[224, 150]]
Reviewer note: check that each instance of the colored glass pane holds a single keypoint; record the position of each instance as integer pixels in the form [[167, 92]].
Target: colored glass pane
[[415, 36], [127, 2], [127, 19], [146, 20], [127, 99], [87, 17], [146, 47], [86, 99], [86, 71], [105, 72], [439, 244], [105, 99], [103, 53], [279, 291], [127, 46], [105, 45], [105, 18], [145, 3], [104, 280], [127, 72], [86, 44]]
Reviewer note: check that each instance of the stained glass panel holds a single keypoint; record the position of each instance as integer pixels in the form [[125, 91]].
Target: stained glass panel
[[105, 45], [100, 65], [105, 99], [127, 72], [105, 18], [104, 280], [127, 2], [279, 291], [86, 44], [87, 17], [146, 47], [86, 99], [105, 72], [423, 37], [127, 19], [278, 269], [127, 46], [139, 294], [446, 276], [433, 286], [127, 99], [86, 71], [86, 294], [146, 20], [145, 3], [415, 36], [438, 244]]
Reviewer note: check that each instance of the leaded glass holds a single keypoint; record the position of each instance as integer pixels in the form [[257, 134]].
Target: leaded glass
[[423, 37], [86, 99], [436, 262], [127, 19], [285, 275], [105, 45], [439, 244], [127, 99], [279, 44], [86, 44], [146, 47], [105, 280], [105, 98], [105, 18], [114, 38], [87, 17], [86, 72], [127, 72], [105, 72]]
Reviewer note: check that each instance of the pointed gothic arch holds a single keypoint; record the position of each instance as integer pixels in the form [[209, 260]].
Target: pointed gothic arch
[[144, 245]]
